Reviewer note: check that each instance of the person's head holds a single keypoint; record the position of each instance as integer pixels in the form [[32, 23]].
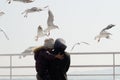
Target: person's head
[[60, 45], [49, 43]]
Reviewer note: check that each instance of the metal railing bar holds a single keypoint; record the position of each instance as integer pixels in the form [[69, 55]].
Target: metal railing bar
[[80, 53], [86, 53], [92, 75], [67, 75], [70, 66], [113, 66], [15, 75], [94, 66], [10, 67], [17, 67]]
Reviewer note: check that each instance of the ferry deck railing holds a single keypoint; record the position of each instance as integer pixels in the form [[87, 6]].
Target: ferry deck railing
[[113, 65]]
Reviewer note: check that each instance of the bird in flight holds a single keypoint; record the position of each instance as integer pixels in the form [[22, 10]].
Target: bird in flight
[[24, 1], [1, 30], [27, 51], [50, 24], [79, 44], [104, 33], [40, 33], [33, 9]]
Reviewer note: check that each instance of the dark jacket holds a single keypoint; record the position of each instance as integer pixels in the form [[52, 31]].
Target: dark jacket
[[42, 59], [58, 68]]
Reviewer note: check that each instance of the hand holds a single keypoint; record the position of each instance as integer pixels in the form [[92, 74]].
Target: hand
[[59, 56]]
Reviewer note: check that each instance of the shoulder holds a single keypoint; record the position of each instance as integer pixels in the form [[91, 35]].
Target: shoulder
[[38, 49]]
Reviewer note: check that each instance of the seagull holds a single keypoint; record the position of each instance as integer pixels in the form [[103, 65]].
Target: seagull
[[27, 51], [4, 34], [79, 44], [50, 24], [24, 1], [104, 33], [40, 33], [1, 13], [33, 9]]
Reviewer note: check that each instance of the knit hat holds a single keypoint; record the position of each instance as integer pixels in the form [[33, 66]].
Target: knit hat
[[49, 43]]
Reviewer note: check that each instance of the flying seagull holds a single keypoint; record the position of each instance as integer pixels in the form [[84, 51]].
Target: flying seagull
[[4, 33], [40, 33], [50, 24], [104, 33], [33, 9], [79, 44], [24, 1], [27, 51]]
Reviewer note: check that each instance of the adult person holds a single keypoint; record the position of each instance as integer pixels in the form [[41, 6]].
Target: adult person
[[58, 68], [43, 57]]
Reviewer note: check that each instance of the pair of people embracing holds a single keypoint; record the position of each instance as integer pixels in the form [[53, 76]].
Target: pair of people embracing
[[51, 60]]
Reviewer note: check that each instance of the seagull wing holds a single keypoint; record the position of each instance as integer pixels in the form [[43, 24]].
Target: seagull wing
[[85, 43], [79, 44], [27, 51], [25, 1], [46, 6], [108, 27], [34, 9], [4, 34], [40, 33], [50, 18], [74, 45]]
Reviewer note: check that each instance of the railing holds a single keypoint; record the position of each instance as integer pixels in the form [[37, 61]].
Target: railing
[[113, 65]]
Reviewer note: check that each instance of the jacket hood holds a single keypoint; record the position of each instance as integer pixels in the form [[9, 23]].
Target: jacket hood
[[59, 45]]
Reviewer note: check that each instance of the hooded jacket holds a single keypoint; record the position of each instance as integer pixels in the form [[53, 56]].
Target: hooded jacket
[[42, 59], [58, 68]]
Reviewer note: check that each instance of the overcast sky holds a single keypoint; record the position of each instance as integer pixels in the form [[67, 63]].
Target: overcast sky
[[78, 20]]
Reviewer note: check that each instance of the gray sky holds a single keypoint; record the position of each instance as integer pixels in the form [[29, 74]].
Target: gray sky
[[78, 20]]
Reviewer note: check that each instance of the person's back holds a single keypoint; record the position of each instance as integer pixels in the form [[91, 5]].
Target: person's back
[[42, 58], [58, 68], [41, 65]]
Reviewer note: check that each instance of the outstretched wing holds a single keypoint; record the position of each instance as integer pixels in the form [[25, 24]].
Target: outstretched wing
[[34, 9], [74, 45], [85, 43], [108, 27], [25, 1], [50, 18], [79, 44], [4, 34], [27, 51]]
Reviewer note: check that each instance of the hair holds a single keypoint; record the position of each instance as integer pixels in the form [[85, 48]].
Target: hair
[[48, 44]]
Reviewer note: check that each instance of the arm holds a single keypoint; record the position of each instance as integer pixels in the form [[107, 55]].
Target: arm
[[50, 56], [67, 62]]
